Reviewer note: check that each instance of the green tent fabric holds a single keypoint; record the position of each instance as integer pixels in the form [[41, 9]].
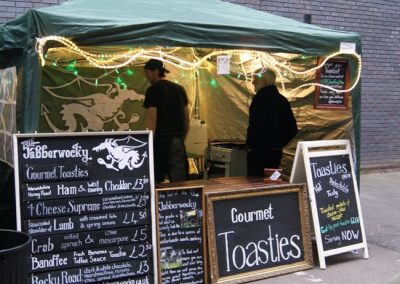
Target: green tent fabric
[[199, 23]]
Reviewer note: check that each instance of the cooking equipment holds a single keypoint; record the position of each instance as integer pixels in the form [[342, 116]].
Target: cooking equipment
[[229, 156]]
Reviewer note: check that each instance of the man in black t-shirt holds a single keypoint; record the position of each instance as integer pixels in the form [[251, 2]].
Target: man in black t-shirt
[[271, 125], [168, 117]]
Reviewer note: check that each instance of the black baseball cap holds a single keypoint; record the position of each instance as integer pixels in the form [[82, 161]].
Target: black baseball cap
[[154, 64]]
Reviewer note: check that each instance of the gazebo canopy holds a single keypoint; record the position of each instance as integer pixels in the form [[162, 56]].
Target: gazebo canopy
[[199, 23], [211, 24]]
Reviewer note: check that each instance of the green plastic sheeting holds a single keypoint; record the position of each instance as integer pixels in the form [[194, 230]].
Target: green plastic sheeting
[[200, 23]]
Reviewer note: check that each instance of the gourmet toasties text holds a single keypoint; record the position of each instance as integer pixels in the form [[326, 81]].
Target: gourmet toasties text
[[257, 233]]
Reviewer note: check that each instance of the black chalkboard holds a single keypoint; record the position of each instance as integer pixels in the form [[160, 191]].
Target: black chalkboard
[[181, 235], [258, 230], [335, 74], [327, 167], [85, 198], [336, 203]]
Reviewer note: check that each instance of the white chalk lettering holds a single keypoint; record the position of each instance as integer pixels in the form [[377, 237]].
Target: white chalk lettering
[[247, 217], [33, 150], [331, 169]]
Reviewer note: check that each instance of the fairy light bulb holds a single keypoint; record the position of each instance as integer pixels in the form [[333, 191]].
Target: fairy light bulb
[[71, 66], [213, 83]]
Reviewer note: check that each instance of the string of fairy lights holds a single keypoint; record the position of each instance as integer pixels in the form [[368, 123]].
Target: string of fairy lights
[[249, 62], [114, 61]]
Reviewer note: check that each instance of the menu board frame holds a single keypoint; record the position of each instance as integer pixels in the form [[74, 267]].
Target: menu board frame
[[259, 192], [126, 193], [302, 171], [203, 226], [320, 73]]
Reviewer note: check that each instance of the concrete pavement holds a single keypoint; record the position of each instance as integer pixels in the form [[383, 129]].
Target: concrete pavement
[[380, 205]]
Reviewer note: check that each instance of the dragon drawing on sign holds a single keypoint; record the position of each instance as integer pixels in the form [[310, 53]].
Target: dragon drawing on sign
[[121, 154], [95, 109]]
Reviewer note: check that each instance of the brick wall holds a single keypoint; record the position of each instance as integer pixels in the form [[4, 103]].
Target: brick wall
[[379, 25], [12, 9]]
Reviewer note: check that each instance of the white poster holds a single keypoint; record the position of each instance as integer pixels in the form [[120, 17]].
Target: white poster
[[223, 64]]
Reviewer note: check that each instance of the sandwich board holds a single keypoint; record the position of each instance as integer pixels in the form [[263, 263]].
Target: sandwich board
[[327, 167], [88, 201]]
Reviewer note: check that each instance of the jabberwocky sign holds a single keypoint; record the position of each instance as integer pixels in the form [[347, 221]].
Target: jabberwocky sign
[[86, 200]]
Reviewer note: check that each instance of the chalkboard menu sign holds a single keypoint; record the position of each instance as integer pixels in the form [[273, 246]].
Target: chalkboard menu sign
[[85, 198], [258, 233], [336, 211], [335, 199], [334, 74], [181, 235]]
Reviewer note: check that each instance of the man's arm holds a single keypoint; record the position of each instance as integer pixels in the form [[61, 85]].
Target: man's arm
[[185, 121], [151, 118]]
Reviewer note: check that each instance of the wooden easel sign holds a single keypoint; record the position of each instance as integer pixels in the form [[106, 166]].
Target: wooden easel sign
[[327, 166]]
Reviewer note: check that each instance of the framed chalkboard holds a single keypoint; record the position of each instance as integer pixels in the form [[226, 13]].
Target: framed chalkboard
[[327, 166], [87, 201], [258, 233], [181, 235], [334, 74]]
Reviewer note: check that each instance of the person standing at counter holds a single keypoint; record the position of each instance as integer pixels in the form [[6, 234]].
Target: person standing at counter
[[271, 125], [167, 115]]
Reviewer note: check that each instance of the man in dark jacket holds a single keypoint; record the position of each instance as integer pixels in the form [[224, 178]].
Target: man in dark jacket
[[271, 125], [168, 117]]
